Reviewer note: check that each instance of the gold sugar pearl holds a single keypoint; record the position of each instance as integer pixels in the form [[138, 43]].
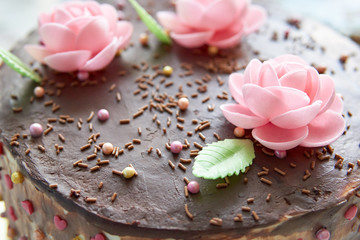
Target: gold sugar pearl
[[17, 177], [212, 50], [144, 39], [128, 172], [167, 71], [79, 237]]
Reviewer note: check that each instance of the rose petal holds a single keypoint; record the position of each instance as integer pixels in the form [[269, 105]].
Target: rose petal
[[282, 69], [60, 16], [94, 36], [236, 81], [291, 97], [241, 116], [110, 14], [38, 52], [102, 59], [190, 12], [297, 118], [211, 18], [57, 37], [313, 83], [78, 23], [43, 19], [324, 129], [268, 76], [124, 31], [68, 61], [225, 39], [76, 9], [295, 79], [171, 22], [263, 102], [242, 7], [290, 58], [192, 40], [277, 138], [254, 19], [337, 104], [326, 92], [286, 67], [252, 71], [94, 8]]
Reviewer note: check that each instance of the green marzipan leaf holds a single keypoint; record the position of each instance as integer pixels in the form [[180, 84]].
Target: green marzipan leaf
[[151, 23], [17, 65], [224, 158]]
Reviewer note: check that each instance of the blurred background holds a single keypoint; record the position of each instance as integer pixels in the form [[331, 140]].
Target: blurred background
[[18, 18]]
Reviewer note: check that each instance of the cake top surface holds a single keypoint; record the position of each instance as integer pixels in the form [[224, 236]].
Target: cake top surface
[[154, 200]]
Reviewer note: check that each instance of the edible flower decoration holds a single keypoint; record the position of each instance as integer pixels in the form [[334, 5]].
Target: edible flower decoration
[[218, 23], [80, 36], [286, 103]]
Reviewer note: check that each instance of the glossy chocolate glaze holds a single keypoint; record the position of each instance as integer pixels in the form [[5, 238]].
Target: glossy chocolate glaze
[[152, 204]]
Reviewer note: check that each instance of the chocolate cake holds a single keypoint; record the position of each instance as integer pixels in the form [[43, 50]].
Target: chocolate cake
[[51, 194]]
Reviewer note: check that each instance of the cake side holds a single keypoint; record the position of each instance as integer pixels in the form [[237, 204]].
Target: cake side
[[154, 200]]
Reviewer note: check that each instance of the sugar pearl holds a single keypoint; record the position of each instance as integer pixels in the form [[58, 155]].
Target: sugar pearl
[[351, 212], [17, 177], [323, 234], [128, 172], [11, 232], [8, 182], [38, 235], [107, 148], [100, 236], [280, 153], [36, 130], [39, 92], [212, 50], [239, 132], [167, 71], [193, 187], [103, 114], [144, 39], [27, 206], [176, 147], [82, 75], [183, 103]]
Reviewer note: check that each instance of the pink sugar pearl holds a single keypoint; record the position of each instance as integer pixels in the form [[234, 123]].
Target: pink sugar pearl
[[239, 132], [183, 103], [280, 154], [322, 234], [99, 236], [107, 148], [350, 214], [176, 147], [39, 92], [103, 114], [36, 130], [82, 76], [193, 187]]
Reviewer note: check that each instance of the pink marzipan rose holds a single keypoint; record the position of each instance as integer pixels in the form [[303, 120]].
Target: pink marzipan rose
[[83, 36], [286, 103], [219, 23]]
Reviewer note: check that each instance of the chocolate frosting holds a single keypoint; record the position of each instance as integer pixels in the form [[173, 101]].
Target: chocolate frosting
[[152, 204]]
